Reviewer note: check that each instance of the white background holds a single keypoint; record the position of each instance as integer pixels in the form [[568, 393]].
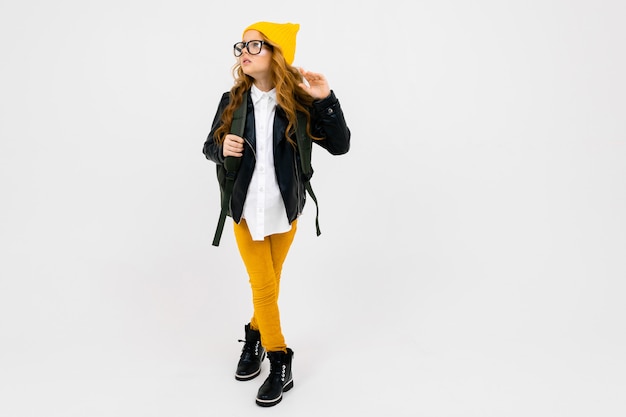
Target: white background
[[472, 256]]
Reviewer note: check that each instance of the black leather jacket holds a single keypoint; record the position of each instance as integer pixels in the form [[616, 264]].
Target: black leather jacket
[[327, 121]]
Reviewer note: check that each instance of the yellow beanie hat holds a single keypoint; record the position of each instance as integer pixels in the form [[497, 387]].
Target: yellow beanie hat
[[281, 34]]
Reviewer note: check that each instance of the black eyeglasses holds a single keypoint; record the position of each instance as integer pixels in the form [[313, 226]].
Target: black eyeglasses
[[253, 47]]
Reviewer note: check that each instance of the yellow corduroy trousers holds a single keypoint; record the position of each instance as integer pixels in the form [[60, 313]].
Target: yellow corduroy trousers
[[264, 262]]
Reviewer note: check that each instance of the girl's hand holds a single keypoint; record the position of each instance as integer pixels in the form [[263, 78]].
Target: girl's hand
[[232, 146], [317, 87]]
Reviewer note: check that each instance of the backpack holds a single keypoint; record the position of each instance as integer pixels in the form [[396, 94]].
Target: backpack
[[228, 172]]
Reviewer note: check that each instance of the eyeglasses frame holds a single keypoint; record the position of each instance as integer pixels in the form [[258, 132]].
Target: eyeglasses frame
[[245, 45]]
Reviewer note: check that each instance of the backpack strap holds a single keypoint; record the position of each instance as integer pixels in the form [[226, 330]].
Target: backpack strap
[[231, 164], [305, 148]]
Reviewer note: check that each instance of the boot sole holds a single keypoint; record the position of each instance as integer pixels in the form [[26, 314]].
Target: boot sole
[[247, 377], [270, 403]]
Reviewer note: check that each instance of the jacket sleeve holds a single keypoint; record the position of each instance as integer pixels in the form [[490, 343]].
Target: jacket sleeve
[[211, 149], [328, 122]]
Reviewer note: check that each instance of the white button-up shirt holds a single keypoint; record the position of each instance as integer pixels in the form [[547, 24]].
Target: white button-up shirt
[[264, 209]]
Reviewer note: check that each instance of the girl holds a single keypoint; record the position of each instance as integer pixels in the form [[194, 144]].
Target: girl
[[269, 190]]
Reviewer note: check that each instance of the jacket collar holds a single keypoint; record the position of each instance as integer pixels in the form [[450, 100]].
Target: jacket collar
[[257, 94]]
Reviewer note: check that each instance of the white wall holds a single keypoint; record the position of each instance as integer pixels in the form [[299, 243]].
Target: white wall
[[471, 260]]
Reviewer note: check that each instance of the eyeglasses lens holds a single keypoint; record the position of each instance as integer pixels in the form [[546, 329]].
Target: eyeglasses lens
[[253, 47]]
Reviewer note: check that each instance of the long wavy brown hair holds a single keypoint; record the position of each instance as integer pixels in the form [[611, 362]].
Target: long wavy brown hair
[[289, 96]]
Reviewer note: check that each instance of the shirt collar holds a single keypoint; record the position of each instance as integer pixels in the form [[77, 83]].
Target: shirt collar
[[257, 94]]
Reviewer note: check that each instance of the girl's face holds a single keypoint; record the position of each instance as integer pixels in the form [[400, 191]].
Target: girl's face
[[258, 65]]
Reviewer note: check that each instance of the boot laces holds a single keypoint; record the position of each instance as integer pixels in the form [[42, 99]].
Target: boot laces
[[278, 370], [250, 347]]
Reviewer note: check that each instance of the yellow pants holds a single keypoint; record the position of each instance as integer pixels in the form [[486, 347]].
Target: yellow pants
[[264, 263]]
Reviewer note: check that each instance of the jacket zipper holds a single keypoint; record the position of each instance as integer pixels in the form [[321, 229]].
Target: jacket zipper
[[251, 147]]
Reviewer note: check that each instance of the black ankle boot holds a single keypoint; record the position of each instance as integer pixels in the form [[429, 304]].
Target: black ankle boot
[[279, 379], [252, 354]]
